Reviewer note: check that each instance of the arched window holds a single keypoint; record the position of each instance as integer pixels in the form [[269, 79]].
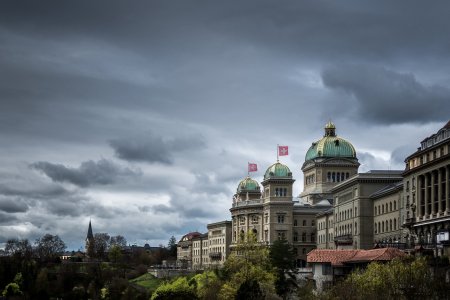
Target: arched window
[[304, 237], [313, 237], [390, 225], [295, 222], [390, 206], [395, 205], [395, 223], [328, 177], [382, 226], [295, 236]]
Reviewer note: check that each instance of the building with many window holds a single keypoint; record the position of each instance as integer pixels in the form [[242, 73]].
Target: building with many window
[[427, 192], [340, 208]]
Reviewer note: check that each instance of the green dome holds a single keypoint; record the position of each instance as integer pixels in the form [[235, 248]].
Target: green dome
[[331, 146], [277, 170], [248, 184]]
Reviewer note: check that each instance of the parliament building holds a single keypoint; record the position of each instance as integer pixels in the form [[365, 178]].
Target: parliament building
[[338, 208]]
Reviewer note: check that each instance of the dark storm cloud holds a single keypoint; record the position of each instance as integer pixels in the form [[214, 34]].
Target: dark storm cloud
[[6, 219], [153, 148], [11, 205], [385, 96], [102, 172]]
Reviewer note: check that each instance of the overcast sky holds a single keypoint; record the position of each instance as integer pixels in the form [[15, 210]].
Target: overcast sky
[[142, 115]]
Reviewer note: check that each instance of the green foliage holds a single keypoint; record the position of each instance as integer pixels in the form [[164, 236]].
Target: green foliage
[[12, 289], [207, 284], [249, 261], [282, 258], [148, 281], [115, 254], [406, 278], [249, 290], [176, 290], [282, 255], [172, 247]]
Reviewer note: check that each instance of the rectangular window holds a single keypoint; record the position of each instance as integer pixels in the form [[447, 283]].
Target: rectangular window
[[280, 219]]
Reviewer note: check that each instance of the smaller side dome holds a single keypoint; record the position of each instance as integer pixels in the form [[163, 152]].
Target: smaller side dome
[[249, 185], [277, 170]]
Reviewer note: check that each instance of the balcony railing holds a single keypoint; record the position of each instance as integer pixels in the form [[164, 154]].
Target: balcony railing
[[346, 239], [215, 255], [247, 203]]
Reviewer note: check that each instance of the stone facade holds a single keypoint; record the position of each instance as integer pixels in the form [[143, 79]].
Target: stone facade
[[340, 208], [427, 191]]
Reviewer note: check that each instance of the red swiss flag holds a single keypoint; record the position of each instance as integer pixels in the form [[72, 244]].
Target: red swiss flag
[[283, 150], [252, 167]]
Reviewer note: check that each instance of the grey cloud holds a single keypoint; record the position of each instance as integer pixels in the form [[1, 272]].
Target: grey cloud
[[385, 96], [7, 219], [154, 149], [10, 205], [399, 154], [102, 172]]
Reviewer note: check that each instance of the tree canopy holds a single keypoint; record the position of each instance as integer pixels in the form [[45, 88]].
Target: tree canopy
[[49, 247]]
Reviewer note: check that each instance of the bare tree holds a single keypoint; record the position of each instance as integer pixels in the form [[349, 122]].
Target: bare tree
[[49, 247]]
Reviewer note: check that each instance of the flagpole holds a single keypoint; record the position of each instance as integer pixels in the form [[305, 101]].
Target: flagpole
[[278, 147], [248, 169]]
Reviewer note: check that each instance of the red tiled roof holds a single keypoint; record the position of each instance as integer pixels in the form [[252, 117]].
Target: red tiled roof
[[335, 257], [380, 254], [339, 257]]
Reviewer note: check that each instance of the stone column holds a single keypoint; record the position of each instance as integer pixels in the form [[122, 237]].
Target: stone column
[[432, 198], [426, 200], [439, 191], [418, 204], [447, 191]]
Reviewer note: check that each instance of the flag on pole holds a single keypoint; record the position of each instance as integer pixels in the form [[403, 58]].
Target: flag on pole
[[252, 167], [283, 150]]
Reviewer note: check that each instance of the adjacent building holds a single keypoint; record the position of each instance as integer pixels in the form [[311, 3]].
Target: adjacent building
[[427, 192]]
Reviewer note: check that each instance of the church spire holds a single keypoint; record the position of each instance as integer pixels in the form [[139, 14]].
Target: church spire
[[89, 233]]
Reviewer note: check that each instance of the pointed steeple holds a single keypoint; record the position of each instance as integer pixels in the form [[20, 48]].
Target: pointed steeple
[[89, 233]]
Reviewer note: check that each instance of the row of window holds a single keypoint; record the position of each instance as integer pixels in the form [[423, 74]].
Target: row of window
[[322, 225], [323, 238], [310, 179], [280, 192], [281, 219], [346, 229], [385, 226], [384, 208], [312, 237], [427, 157], [337, 176], [346, 214]]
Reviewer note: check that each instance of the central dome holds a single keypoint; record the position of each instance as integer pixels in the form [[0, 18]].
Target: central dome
[[248, 184], [277, 170], [331, 146]]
